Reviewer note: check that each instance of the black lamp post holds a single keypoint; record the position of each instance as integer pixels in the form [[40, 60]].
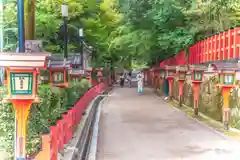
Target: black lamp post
[[65, 16], [81, 45]]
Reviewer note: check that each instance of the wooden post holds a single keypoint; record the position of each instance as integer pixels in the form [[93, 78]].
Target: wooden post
[[226, 110]]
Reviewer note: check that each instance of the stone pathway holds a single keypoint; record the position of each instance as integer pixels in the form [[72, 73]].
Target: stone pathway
[[143, 127]]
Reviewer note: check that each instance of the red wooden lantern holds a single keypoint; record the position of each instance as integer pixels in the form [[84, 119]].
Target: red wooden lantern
[[58, 68], [197, 72], [76, 74]]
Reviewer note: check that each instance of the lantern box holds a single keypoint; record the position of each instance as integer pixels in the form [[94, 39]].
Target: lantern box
[[197, 75], [58, 68], [227, 78], [21, 83], [76, 74], [181, 72], [197, 72], [181, 76], [99, 72], [88, 72], [57, 77], [227, 73], [171, 70], [22, 73], [160, 72], [163, 74], [75, 60]]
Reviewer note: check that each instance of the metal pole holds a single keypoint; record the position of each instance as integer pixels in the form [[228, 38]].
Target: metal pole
[[82, 58], [65, 38], [20, 153], [21, 38]]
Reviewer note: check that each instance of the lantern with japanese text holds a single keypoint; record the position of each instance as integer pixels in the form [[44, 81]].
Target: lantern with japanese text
[[58, 68], [227, 79], [22, 81], [197, 72]]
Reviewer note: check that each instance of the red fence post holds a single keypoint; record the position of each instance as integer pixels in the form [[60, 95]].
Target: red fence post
[[60, 135], [63, 132], [54, 142], [218, 49], [231, 43], [225, 49], [71, 124], [214, 50], [65, 129], [221, 37], [237, 42]]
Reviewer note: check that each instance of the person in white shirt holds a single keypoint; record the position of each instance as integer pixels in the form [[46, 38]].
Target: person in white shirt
[[140, 78]]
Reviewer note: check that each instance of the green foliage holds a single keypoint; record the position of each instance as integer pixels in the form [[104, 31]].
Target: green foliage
[[54, 102], [122, 31], [97, 18], [6, 124], [154, 30]]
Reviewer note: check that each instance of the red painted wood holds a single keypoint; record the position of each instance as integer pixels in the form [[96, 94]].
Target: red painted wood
[[237, 42], [62, 133], [231, 43]]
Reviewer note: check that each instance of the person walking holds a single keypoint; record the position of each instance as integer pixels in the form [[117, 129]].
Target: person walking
[[129, 79], [140, 77], [122, 79]]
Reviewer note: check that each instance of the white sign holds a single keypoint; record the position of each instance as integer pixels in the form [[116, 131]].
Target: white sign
[[77, 72], [82, 72], [21, 83], [33, 46], [58, 76], [238, 75]]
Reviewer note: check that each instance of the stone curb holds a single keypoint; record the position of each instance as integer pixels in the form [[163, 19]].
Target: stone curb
[[94, 140], [71, 150]]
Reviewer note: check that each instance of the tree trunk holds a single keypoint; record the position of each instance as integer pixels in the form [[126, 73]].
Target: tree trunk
[[199, 3], [29, 11]]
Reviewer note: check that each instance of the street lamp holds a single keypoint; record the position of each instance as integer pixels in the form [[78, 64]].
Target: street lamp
[[81, 33], [81, 44], [65, 16]]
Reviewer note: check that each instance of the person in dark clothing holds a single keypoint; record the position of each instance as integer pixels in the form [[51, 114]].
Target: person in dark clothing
[[122, 79], [129, 79]]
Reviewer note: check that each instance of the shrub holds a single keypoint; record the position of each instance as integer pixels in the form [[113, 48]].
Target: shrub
[[54, 102], [6, 124]]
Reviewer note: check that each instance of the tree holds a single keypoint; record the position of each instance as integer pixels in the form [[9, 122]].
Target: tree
[[157, 29], [29, 12]]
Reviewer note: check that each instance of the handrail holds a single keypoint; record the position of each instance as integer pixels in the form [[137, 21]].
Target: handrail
[[63, 131]]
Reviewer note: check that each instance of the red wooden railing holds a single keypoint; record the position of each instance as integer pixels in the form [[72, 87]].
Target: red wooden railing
[[222, 46], [62, 132]]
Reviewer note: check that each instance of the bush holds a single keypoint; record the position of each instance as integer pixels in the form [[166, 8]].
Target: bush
[[54, 102], [7, 124]]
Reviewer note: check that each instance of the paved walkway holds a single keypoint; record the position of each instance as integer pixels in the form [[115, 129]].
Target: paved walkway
[[143, 127]]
